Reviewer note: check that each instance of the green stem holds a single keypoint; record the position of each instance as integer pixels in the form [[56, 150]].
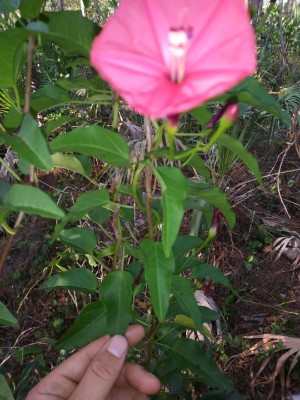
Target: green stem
[[158, 136], [200, 148], [118, 249], [172, 146], [195, 251], [115, 116], [10, 170], [8, 229], [17, 96], [105, 231], [135, 186]]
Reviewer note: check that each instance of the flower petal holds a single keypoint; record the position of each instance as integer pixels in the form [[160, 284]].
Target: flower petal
[[133, 52]]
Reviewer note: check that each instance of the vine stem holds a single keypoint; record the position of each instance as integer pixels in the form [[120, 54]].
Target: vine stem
[[30, 52], [148, 131], [118, 254], [9, 243]]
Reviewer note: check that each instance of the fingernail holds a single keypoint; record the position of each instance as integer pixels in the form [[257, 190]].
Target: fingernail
[[117, 346]]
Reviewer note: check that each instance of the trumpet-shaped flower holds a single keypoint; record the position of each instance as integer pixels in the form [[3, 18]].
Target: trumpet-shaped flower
[[168, 56]]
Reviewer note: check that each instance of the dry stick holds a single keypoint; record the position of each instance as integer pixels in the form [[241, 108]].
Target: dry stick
[[278, 179], [289, 146], [61, 5], [148, 131], [26, 109], [241, 185]]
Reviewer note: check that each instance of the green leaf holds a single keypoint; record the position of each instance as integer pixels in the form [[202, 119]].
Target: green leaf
[[4, 188], [89, 326], [6, 393], [116, 294], [189, 354], [48, 97], [13, 119], [80, 279], [30, 144], [88, 201], [135, 269], [212, 195], [31, 9], [99, 215], [173, 186], [182, 291], [51, 126], [12, 55], [71, 31], [86, 163], [69, 162], [24, 166], [94, 141], [201, 114], [6, 317], [108, 251], [93, 85], [250, 91], [184, 244], [185, 321], [237, 148], [207, 316], [7, 6], [199, 165], [31, 200], [158, 275], [82, 240], [202, 271]]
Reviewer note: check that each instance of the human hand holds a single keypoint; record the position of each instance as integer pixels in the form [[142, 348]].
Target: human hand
[[99, 372]]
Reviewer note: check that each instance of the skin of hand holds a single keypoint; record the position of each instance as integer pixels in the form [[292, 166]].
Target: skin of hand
[[99, 372]]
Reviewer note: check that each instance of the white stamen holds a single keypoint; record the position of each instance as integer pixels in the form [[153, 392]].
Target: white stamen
[[177, 38], [178, 41]]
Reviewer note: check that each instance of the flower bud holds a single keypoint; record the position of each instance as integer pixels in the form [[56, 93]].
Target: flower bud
[[214, 225], [172, 124], [229, 111], [229, 116]]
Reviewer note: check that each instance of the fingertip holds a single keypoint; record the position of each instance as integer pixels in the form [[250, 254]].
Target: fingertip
[[117, 346], [151, 384], [136, 376], [134, 334]]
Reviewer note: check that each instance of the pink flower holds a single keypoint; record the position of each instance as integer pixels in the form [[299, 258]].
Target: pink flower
[[168, 56]]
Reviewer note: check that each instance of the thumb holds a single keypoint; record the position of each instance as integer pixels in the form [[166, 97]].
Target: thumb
[[103, 371]]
